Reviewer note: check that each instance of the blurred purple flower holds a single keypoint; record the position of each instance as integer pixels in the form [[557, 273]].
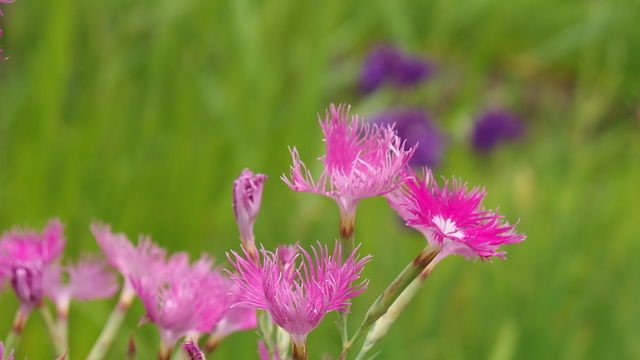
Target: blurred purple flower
[[388, 64], [417, 128], [495, 126]]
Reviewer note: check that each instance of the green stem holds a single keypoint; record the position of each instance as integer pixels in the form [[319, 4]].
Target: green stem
[[265, 329], [110, 329], [54, 330], [382, 325], [391, 293], [347, 226], [13, 337]]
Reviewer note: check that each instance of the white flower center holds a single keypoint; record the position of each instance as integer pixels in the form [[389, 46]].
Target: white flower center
[[447, 227]]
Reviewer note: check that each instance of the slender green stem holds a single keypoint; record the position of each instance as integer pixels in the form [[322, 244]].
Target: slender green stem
[[347, 227], [57, 339], [382, 325], [105, 339], [282, 342], [391, 293], [13, 337], [265, 329]]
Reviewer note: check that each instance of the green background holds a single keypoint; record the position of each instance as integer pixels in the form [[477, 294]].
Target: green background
[[141, 114]]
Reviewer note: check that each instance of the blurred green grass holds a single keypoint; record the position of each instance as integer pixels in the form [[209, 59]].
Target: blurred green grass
[[142, 113]]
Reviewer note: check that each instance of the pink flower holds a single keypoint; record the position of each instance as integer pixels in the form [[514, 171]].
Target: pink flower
[[297, 297], [10, 356], [237, 318], [88, 279], [192, 350], [125, 257], [25, 256], [247, 196], [182, 298], [451, 217], [362, 160]]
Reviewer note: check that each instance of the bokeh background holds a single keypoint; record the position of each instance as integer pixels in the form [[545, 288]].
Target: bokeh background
[[141, 114]]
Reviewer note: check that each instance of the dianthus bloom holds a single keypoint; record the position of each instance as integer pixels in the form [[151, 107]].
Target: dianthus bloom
[[362, 160], [452, 218], [419, 130], [247, 196], [298, 297], [25, 256], [124, 256], [180, 298], [493, 127], [87, 279], [388, 64]]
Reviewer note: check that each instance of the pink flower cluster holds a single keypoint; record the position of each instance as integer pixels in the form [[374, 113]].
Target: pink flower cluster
[[179, 297]]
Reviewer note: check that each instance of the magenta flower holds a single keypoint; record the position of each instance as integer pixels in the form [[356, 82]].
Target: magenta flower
[[247, 196], [180, 298], [25, 256], [452, 218], [237, 318], [299, 296], [362, 160], [87, 279], [10, 356], [2, 32], [125, 257]]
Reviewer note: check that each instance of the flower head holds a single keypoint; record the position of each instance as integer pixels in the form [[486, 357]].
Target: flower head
[[493, 127], [247, 196], [418, 129], [362, 160], [124, 256], [389, 64], [10, 356], [88, 279], [299, 296], [451, 217], [181, 298], [26, 255]]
